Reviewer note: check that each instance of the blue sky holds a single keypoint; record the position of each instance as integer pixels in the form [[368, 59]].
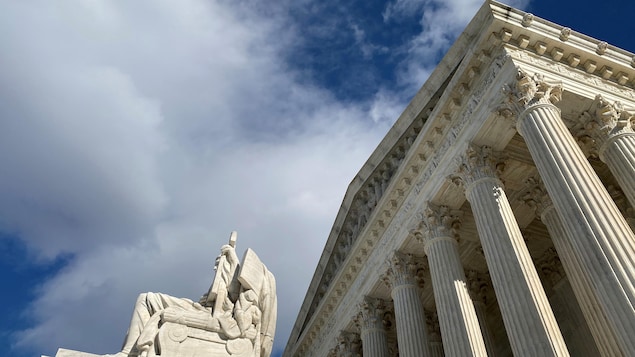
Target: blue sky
[[134, 136]]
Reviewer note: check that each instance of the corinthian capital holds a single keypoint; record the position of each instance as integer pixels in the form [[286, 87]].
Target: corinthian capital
[[526, 91], [371, 314], [477, 164], [536, 196], [348, 345], [439, 222], [605, 120], [402, 270]]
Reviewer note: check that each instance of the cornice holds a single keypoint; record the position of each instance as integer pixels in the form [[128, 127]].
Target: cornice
[[380, 201]]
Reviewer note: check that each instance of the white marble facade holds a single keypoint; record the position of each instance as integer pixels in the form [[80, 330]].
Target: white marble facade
[[496, 217]]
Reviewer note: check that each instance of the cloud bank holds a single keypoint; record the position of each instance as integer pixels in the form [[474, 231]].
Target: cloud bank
[[134, 136]]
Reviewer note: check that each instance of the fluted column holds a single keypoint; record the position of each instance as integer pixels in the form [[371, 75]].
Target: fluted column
[[610, 126], [372, 331], [601, 329], [601, 240], [409, 316], [478, 285], [531, 326], [622, 204], [434, 334], [572, 322], [457, 318]]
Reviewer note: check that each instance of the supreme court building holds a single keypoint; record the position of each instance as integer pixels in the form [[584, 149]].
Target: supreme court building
[[496, 216]]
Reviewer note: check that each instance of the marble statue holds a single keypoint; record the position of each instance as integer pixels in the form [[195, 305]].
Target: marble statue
[[236, 317]]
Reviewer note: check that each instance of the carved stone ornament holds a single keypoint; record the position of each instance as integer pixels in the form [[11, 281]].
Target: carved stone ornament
[[236, 317], [478, 163], [527, 19], [536, 196], [402, 270], [565, 33], [348, 345], [527, 91], [550, 267], [605, 120], [371, 314], [438, 222], [479, 285]]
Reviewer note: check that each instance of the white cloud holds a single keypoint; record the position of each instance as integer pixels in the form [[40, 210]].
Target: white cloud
[[137, 135], [441, 23]]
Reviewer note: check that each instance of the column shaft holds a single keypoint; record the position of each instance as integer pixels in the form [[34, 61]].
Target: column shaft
[[410, 318], [460, 329], [531, 326], [601, 240], [373, 333], [600, 327], [619, 156]]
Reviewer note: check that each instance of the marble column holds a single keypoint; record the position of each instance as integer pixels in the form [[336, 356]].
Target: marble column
[[409, 316], [459, 325], [601, 329], [529, 321], [478, 286], [622, 204], [611, 128], [569, 315], [434, 334], [371, 326], [600, 237]]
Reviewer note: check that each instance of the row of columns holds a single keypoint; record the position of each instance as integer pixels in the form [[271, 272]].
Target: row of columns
[[594, 242]]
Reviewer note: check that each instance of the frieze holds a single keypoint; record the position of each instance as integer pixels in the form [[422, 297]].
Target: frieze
[[572, 72]]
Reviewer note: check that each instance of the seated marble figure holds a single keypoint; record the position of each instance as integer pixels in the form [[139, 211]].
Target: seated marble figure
[[238, 312]]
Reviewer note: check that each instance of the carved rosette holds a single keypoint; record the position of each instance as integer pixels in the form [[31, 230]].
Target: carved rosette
[[528, 91], [605, 121], [439, 222], [402, 270], [479, 163], [536, 196]]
